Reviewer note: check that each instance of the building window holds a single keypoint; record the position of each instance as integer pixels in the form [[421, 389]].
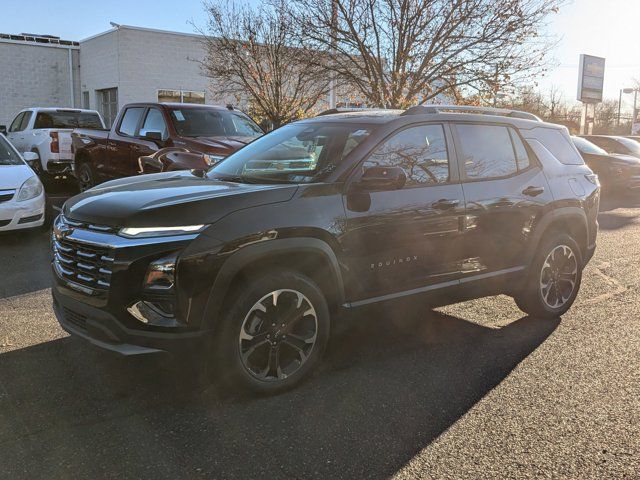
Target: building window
[[85, 100], [108, 102], [180, 96]]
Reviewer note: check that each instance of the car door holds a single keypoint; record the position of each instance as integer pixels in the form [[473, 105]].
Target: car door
[[400, 239], [153, 122], [118, 159], [505, 193]]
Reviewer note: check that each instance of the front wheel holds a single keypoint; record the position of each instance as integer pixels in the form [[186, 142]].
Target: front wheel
[[86, 177], [553, 280], [274, 332]]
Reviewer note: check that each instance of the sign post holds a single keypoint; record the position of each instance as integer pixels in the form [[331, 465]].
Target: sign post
[[590, 89]]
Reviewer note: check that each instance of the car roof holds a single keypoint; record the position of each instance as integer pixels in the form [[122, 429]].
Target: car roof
[[384, 116], [58, 109]]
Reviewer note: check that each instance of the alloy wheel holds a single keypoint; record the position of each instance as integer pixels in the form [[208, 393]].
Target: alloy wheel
[[558, 276], [278, 335]]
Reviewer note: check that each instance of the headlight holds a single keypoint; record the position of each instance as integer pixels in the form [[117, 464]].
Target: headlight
[[31, 188], [145, 232], [211, 160]]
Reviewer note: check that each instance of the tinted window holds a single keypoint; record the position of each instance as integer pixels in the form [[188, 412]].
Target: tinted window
[[25, 120], [631, 146], [487, 151], [7, 155], [585, 146], [154, 123], [559, 144], [210, 122], [15, 125], [130, 121], [69, 119], [421, 151], [295, 153]]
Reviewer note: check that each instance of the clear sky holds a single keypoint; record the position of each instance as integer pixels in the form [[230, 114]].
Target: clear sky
[[607, 28]]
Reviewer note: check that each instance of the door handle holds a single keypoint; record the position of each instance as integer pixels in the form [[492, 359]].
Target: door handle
[[444, 204], [532, 191]]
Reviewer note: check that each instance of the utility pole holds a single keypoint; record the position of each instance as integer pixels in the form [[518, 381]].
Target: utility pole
[[332, 52], [619, 108]]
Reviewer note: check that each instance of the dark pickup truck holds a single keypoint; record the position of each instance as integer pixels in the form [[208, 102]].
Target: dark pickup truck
[[208, 133]]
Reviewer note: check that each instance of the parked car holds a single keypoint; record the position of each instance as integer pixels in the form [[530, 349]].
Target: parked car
[[250, 263], [47, 133], [615, 145], [141, 129], [614, 170], [22, 199]]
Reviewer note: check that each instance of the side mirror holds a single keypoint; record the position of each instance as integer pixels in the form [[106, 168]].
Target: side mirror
[[383, 178], [155, 137], [31, 158], [3, 129]]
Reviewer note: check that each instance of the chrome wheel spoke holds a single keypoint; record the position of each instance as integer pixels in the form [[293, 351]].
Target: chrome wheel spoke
[[278, 335], [558, 276]]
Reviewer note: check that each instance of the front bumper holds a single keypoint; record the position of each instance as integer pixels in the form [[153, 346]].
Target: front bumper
[[18, 215], [105, 331]]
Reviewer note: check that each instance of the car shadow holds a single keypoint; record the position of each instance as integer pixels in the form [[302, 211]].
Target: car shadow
[[26, 255], [391, 384]]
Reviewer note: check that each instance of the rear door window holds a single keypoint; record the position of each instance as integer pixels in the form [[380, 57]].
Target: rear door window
[[487, 151], [130, 121]]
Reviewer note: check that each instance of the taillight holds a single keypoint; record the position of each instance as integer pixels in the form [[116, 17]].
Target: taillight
[[55, 144]]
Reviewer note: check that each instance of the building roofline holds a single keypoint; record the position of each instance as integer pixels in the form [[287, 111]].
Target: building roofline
[[142, 29], [29, 43]]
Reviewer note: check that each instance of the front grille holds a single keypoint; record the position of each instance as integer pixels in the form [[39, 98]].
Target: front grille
[[75, 318], [86, 265], [6, 195]]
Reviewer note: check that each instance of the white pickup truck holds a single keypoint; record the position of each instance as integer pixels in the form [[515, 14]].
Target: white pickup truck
[[47, 132]]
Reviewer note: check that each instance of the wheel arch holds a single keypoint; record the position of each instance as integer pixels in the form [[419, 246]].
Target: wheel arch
[[570, 220], [312, 257]]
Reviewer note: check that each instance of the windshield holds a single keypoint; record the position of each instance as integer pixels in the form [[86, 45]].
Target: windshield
[[585, 146], [296, 153], [209, 122], [632, 145], [8, 156], [69, 119]]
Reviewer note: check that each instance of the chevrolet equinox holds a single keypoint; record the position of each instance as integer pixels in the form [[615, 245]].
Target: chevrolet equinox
[[249, 262]]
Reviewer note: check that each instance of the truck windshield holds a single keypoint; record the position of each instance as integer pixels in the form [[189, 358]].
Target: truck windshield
[[8, 156], [296, 153], [210, 122], [67, 119]]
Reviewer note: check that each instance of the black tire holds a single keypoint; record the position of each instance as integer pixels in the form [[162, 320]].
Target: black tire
[[552, 302], [86, 177], [293, 364]]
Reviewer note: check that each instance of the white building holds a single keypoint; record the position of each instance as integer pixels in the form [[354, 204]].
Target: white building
[[103, 72]]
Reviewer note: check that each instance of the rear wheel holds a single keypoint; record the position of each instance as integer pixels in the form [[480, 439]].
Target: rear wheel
[[274, 333], [86, 177], [554, 278]]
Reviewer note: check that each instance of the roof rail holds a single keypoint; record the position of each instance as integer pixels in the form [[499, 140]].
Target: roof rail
[[333, 111], [434, 109]]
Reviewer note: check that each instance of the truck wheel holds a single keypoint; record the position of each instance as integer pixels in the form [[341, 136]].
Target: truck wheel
[[86, 177], [554, 278], [273, 333]]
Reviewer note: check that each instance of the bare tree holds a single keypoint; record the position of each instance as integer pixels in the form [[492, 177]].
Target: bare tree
[[258, 53], [402, 52]]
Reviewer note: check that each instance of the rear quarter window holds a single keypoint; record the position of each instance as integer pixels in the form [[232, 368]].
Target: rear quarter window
[[559, 143]]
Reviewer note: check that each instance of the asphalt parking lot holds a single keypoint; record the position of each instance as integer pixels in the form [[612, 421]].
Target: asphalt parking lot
[[474, 390]]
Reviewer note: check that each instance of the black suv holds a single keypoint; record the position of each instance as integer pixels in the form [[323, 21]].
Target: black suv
[[249, 262]]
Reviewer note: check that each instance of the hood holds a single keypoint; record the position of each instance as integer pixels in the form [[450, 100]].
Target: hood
[[13, 176], [223, 143], [169, 199]]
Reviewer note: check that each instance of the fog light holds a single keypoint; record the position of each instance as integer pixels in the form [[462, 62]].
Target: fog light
[[161, 274], [159, 314]]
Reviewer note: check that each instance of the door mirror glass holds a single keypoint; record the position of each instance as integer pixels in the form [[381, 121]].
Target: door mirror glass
[[383, 178]]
